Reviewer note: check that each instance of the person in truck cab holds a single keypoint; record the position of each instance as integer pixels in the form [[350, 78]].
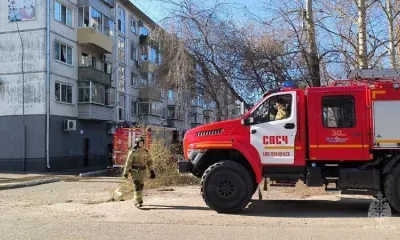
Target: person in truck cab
[[281, 110]]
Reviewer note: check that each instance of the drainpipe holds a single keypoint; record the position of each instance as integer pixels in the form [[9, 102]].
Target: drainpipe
[[48, 2]]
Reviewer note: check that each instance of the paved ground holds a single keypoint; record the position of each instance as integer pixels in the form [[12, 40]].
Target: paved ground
[[83, 210]]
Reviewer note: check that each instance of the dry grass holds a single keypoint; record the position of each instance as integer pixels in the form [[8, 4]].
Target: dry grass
[[166, 173]]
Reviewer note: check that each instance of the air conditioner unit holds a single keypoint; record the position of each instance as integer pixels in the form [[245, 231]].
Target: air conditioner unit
[[69, 125]]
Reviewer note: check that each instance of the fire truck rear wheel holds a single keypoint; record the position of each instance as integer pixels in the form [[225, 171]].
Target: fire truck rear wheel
[[391, 188], [226, 187]]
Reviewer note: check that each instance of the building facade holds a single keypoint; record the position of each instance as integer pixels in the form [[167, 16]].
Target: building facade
[[61, 102]]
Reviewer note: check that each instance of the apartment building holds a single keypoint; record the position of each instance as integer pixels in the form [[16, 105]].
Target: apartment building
[[69, 77]]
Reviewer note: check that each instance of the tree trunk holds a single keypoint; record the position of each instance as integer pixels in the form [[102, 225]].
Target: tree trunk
[[392, 49], [218, 114], [362, 35], [313, 55]]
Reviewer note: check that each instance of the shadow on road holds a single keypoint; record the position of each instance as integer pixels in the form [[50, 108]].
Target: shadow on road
[[350, 208], [165, 207], [344, 208]]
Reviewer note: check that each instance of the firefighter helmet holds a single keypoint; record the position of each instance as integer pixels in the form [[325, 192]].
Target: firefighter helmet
[[139, 139]]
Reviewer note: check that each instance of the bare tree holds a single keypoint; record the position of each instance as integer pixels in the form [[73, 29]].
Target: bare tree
[[392, 11], [312, 44]]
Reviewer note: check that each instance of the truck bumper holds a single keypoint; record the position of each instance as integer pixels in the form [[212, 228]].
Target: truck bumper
[[185, 166]]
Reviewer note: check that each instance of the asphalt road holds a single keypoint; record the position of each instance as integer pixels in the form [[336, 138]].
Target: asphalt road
[[83, 210]]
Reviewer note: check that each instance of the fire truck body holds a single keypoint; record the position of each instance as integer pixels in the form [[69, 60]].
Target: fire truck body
[[345, 136]]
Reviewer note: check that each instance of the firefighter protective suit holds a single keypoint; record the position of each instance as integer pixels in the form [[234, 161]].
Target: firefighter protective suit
[[137, 161], [281, 114]]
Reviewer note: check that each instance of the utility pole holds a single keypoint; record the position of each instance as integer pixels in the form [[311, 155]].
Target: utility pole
[[362, 35], [313, 51]]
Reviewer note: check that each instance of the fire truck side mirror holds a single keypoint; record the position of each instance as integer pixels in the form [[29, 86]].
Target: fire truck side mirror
[[242, 109], [247, 121]]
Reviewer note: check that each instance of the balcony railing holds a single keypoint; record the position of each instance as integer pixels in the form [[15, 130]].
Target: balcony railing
[[150, 93], [94, 75], [175, 113]]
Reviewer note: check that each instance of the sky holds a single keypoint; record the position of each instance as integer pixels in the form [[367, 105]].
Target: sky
[[157, 10]]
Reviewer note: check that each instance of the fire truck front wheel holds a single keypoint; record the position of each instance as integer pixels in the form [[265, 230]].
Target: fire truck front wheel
[[226, 187], [392, 186]]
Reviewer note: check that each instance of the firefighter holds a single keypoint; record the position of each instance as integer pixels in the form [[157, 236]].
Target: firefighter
[[137, 161], [281, 110]]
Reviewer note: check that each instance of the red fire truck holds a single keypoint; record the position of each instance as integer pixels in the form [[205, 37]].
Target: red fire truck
[[345, 137]]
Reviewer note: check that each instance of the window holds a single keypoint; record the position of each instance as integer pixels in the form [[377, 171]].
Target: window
[[91, 92], [143, 29], [121, 19], [154, 55], [175, 112], [144, 108], [134, 106], [153, 108], [90, 17], [277, 107], [133, 25], [97, 20], [83, 15], [108, 27], [107, 67], [143, 80], [338, 112], [62, 14], [134, 79], [63, 53], [133, 51], [121, 78], [121, 107], [144, 55], [63, 93], [121, 49], [84, 92], [89, 61]]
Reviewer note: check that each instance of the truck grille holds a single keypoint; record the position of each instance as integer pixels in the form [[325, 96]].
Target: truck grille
[[209, 132]]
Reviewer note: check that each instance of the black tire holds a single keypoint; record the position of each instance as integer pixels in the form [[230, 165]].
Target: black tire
[[226, 187], [392, 188]]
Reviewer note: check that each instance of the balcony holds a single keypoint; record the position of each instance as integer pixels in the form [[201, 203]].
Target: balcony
[[110, 3], [95, 101], [147, 66], [94, 75], [150, 93], [89, 36]]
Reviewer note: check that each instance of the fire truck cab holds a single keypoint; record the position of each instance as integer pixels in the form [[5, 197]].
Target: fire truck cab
[[344, 137]]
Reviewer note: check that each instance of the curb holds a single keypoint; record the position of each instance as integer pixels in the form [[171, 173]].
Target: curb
[[94, 173], [28, 184]]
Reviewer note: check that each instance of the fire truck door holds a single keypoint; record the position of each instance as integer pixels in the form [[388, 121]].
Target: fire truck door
[[273, 128], [340, 126]]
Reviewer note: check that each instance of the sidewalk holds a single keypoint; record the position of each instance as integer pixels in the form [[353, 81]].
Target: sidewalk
[[21, 179]]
